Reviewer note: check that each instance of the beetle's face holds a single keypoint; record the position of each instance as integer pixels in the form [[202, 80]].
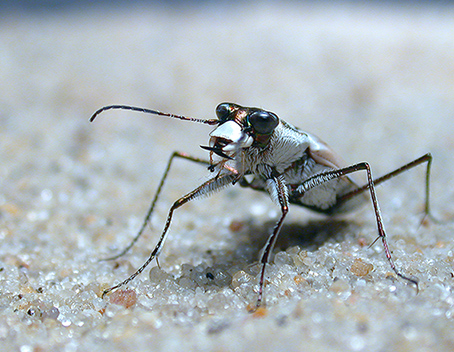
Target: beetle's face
[[239, 128]]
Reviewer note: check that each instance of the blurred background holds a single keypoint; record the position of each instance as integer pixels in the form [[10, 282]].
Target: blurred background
[[373, 74], [52, 5]]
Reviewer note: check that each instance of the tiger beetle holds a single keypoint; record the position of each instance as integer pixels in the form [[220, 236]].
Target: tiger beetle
[[291, 165]]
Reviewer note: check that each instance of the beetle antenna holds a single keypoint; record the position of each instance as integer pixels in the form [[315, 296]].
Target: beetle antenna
[[153, 112]]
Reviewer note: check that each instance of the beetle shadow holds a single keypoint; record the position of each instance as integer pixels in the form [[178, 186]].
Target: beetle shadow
[[243, 255], [310, 235]]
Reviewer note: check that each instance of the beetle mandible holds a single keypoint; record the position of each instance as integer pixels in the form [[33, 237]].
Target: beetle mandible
[[291, 165]]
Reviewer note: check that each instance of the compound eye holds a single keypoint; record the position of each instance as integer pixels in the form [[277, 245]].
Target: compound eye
[[223, 111], [263, 122]]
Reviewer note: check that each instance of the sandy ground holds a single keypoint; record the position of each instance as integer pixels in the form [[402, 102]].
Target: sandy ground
[[376, 83]]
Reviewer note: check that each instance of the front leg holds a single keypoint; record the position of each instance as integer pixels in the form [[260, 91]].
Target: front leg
[[212, 185], [151, 208], [279, 193]]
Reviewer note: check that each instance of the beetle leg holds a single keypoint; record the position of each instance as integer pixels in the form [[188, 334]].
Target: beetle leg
[[210, 186], [321, 178], [276, 187], [426, 158], [155, 199]]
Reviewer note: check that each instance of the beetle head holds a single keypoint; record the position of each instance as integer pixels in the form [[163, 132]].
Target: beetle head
[[240, 128]]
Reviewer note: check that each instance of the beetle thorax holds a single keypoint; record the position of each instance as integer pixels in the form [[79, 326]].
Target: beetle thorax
[[284, 148]]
